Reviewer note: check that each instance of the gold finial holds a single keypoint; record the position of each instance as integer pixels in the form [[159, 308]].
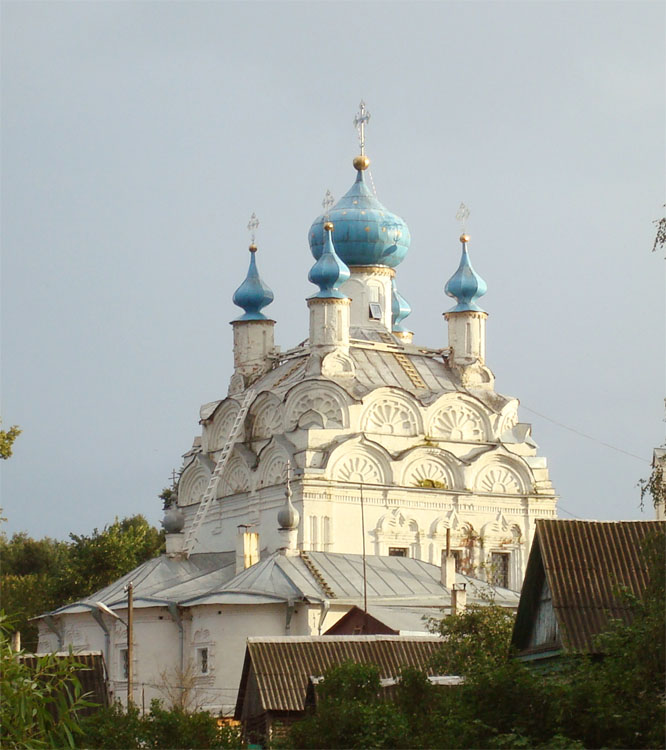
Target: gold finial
[[328, 226], [361, 162], [253, 248], [360, 120], [464, 238]]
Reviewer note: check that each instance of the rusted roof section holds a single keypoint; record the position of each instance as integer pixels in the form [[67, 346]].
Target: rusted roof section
[[586, 565], [282, 666]]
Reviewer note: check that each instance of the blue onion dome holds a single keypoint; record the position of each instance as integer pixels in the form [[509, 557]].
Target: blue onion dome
[[252, 295], [366, 233], [329, 272], [400, 309], [465, 286]]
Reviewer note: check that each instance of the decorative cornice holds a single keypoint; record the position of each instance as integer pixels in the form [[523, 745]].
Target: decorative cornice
[[376, 270]]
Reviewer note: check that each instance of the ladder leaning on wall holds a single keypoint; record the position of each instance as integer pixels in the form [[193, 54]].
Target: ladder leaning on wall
[[209, 495]]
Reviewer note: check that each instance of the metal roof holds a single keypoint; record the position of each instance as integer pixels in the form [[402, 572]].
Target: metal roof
[[210, 578], [585, 563], [376, 366], [283, 666]]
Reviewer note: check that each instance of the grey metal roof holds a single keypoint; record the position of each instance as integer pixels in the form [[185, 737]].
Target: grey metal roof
[[314, 576], [282, 666], [155, 579], [584, 563], [377, 367]]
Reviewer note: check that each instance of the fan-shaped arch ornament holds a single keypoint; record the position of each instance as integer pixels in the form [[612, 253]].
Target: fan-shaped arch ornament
[[458, 421], [390, 416], [317, 400], [275, 471], [223, 423], [499, 479], [193, 483], [428, 472], [358, 467], [235, 479], [268, 420]]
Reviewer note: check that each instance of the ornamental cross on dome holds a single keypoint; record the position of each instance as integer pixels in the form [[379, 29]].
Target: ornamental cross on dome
[[252, 227], [362, 117], [462, 215], [328, 202]]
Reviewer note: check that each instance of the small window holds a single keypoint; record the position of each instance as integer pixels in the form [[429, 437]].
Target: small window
[[397, 551], [375, 311], [499, 569], [124, 663], [202, 659]]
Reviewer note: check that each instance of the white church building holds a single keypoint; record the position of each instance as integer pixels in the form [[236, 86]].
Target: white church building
[[354, 450]]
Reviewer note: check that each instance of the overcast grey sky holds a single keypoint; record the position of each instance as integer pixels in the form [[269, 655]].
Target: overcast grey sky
[[137, 139]]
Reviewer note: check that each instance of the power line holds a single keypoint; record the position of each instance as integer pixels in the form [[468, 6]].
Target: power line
[[582, 434]]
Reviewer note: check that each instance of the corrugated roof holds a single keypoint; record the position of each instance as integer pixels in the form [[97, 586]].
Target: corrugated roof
[[585, 564], [283, 666], [91, 674]]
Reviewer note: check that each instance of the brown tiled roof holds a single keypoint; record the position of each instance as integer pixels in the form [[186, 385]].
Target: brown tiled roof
[[586, 564], [283, 666]]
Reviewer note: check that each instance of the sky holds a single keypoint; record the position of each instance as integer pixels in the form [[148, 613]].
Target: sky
[[138, 138]]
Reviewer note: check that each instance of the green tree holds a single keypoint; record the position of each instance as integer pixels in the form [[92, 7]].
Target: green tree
[[350, 713], [39, 704], [7, 438], [39, 575], [117, 728], [476, 640], [96, 560]]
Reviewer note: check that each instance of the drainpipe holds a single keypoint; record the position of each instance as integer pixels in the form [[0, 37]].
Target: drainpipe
[[97, 616], [323, 611], [178, 619], [48, 619], [290, 611]]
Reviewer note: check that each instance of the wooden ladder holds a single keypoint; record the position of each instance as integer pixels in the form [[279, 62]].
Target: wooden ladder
[[211, 490], [404, 361]]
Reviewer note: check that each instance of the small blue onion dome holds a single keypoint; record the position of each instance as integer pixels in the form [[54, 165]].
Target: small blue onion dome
[[329, 272], [400, 309], [252, 295], [366, 233], [465, 286]]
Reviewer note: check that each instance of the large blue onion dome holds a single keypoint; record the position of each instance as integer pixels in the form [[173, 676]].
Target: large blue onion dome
[[400, 309], [252, 295], [465, 286], [366, 233], [329, 272]]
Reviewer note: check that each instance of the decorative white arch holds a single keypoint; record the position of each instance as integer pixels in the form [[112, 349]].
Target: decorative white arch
[[272, 466], [395, 529], [236, 478], [501, 475], [267, 416], [218, 432], [430, 467], [193, 482], [358, 460], [454, 417], [317, 397], [391, 412]]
